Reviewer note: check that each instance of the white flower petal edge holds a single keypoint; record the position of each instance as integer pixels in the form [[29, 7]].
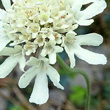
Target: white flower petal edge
[[40, 69], [2, 14], [4, 40], [52, 58], [89, 1], [90, 57], [6, 4], [22, 62], [7, 66], [71, 57], [8, 51], [90, 39], [72, 47], [77, 4], [84, 22], [54, 77], [26, 78], [40, 93]]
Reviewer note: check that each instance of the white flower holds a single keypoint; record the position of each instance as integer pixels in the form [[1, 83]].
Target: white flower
[[40, 40], [40, 68], [50, 49], [30, 47], [41, 28], [72, 45], [47, 33], [45, 18], [15, 56], [57, 37], [83, 17]]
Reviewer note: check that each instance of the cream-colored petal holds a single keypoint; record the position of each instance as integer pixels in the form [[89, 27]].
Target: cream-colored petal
[[52, 58], [22, 62], [90, 39], [1, 26], [54, 77], [7, 66], [84, 22], [70, 54], [33, 62], [2, 15], [94, 9], [89, 1], [7, 51], [3, 42], [58, 49], [90, 57], [77, 4], [6, 4], [43, 52], [40, 93], [26, 78]]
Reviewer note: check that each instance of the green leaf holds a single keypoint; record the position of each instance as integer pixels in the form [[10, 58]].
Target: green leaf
[[78, 95], [16, 108]]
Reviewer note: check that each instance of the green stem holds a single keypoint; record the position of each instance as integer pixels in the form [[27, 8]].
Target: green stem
[[75, 71]]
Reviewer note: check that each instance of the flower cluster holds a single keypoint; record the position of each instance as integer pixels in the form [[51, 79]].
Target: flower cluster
[[40, 29]]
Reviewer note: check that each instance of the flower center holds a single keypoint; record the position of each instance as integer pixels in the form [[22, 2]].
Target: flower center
[[26, 22]]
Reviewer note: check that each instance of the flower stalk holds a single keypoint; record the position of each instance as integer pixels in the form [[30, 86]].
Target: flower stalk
[[75, 71]]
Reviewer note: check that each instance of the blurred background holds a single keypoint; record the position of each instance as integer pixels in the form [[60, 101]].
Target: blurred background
[[74, 95]]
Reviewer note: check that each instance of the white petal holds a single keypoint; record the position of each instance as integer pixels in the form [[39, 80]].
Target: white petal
[[3, 42], [6, 4], [22, 62], [83, 22], [94, 9], [43, 52], [90, 57], [7, 51], [7, 66], [54, 77], [88, 1], [71, 57], [33, 62], [69, 47], [2, 14], [52, 58], [34, 35], [77, 4], [40, 93], [26, 78], [90, 39], [1, 26], [58, 49]]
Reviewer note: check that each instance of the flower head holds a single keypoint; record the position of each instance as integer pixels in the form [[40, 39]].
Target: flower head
[[43, 28]]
